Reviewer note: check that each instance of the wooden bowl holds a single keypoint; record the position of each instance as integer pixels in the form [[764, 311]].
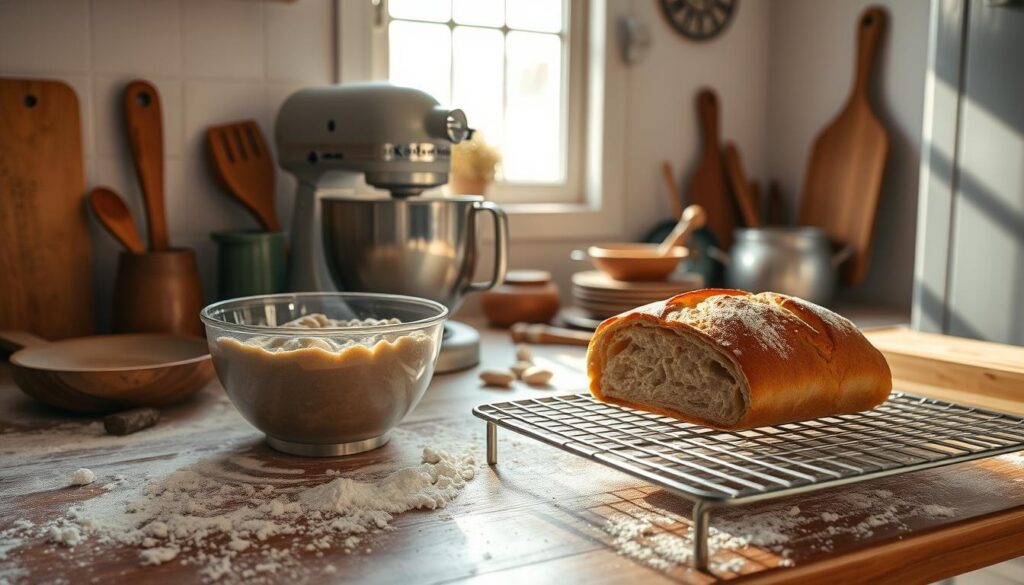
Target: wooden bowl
[[106, 373], [632, 261]]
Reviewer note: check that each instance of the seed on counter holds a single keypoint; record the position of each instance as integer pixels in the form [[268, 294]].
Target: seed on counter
[[501, 378], [536, 376], [130, 421], [524, 353], [519, 367]]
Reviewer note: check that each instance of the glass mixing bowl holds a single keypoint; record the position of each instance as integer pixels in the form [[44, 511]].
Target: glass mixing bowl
[[325, 373]]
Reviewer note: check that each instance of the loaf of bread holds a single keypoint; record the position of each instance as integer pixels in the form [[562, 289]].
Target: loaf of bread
[[734, 360]]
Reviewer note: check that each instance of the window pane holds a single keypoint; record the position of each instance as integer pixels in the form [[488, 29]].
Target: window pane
[[542, 15], [420, 56], [479, 85], [435, 10], [533, 117], [480, 12]]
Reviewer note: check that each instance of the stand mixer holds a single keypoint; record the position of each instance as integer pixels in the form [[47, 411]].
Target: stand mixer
[[399, 139]]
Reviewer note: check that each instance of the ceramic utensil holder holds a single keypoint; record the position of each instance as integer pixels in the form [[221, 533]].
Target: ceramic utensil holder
[[250, 263], [158, 292]]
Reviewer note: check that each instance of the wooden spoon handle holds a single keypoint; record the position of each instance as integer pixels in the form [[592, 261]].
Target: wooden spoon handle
[[145, 135], [692, 218], [675, 198], [740, 186], [547, 334], [15, 340], [870, 27]]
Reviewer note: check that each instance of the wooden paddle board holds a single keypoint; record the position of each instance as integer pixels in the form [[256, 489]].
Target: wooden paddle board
[[45, 250], [844, 176], [707, 186]]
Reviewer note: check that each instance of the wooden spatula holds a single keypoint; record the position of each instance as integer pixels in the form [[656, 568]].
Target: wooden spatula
[[741, 187], [115, 216], [844, 177], [707, 186], [244, 164], [141, 104]]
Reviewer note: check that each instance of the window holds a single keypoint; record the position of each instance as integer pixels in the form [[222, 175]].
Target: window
[[515, 67]]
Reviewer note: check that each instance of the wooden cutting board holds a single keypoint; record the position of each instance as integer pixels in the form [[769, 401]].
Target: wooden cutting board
[[45, 250], [707, 186], [844, 176]]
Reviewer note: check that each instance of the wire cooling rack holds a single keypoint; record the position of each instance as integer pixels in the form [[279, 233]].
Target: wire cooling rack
[[716, 468]]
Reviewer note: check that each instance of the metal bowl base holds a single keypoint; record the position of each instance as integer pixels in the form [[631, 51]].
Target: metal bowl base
[[328, 449]]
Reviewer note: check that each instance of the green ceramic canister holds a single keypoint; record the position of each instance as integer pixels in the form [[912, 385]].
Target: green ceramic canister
[[249, 263]]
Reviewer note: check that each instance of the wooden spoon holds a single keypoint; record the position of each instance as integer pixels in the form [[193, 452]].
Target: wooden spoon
[[693, 217], [116, 217], [146, 135]]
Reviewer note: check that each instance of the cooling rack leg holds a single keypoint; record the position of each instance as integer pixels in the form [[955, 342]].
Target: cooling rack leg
[[701, 518], [492, 444]]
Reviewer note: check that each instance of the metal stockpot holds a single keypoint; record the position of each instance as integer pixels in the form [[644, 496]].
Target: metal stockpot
[[795, 261], [419, 246]]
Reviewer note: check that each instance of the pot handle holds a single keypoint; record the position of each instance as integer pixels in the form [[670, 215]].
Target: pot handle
[[842, 255], [14, 340], [500, 246], [716, 253]]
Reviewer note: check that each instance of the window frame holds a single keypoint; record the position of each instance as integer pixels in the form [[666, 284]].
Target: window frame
[[573, 106], [600, 211]]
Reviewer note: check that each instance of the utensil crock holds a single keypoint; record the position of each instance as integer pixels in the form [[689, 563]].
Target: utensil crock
[[158, 292], [250, 262]]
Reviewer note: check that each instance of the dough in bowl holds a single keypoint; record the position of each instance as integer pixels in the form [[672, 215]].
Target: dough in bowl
[[730, 359]]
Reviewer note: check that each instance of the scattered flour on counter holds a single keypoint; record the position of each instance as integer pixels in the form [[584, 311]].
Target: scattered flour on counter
[[653, 536], [215, 516], [83, 477]]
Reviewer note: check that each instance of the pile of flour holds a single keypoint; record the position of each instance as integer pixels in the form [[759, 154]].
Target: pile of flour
[[202, 510]]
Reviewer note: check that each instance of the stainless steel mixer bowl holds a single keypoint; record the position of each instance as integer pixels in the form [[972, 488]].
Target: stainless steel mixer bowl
[[420, 246]]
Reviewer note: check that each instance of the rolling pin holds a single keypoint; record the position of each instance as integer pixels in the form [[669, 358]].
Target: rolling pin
[[548, 335]]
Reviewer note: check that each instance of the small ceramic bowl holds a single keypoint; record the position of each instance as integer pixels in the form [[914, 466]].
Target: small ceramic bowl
[[632, 261]]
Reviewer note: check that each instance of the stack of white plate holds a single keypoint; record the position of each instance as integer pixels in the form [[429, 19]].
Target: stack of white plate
[[601, 296]]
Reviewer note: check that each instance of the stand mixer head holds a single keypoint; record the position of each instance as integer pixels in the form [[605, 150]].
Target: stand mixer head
[[400, 140]]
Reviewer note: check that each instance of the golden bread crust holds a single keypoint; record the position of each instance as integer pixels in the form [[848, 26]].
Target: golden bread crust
[[799, 361]]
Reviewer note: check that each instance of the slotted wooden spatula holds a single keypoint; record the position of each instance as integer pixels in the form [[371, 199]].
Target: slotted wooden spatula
[[844, 177], [244, 163]]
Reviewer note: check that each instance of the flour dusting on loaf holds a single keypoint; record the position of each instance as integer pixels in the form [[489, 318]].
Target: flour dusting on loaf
[[730, 359]]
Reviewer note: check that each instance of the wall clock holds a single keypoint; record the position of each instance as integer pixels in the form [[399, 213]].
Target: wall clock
[[699, 20]]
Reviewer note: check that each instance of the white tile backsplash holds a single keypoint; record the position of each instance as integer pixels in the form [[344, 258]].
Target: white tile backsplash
[[296, 35], [213, 61], [224, 39], [217, 102], [142, 37], [41, 36]]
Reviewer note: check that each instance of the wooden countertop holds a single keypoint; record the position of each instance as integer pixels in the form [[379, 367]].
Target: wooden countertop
[[538, 516]]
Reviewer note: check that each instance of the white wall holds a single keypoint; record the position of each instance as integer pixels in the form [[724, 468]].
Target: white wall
[[213, 61], [812, 55]]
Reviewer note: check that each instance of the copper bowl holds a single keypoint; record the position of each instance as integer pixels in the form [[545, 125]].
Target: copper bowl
[[632, 261]]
